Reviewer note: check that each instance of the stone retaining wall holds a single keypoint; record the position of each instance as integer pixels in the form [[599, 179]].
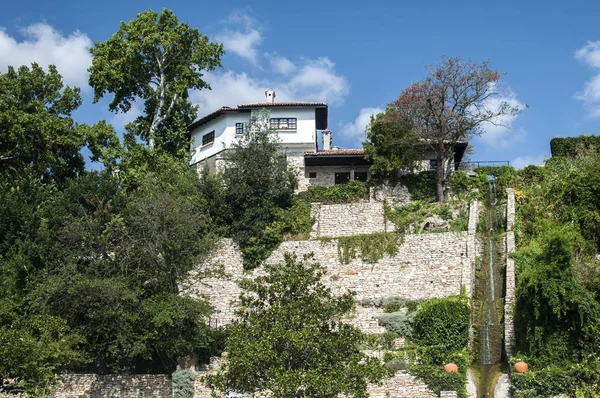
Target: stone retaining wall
[[426, 266], [509, 327], [117, 386], [401, 385], [349, 219]]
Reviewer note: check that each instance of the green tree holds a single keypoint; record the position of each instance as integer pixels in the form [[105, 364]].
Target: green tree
[[290, 338], [33, 349], [37, 134], [392, 143], [453, 103], [157, 59], [259, 181]]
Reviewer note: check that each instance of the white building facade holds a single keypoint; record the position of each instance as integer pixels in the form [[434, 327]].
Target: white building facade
[[297, 125]]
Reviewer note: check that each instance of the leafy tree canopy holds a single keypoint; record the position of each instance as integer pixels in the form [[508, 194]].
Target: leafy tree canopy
[[453, 103], [37, 134], [291, 340], [392, 143], [157, 59]]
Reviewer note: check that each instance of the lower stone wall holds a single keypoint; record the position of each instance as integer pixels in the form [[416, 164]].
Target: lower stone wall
[[426, 266], [117, 386], [401, 385]]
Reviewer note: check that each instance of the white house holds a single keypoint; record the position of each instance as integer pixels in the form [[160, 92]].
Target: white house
[[297, 124]]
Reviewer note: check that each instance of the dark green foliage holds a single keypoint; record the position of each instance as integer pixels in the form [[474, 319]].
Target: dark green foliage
[[295, 222], [431, 371], [572, 147], [370, 247], [443, 323], [34, 348], [557, 312], [291, 339], [259, 182], [555, 317], [353, 191], [421, 186], [392, 143], [37, 135], [441, 335], [392, 307]]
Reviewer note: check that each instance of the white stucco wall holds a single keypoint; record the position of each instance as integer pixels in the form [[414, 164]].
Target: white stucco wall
[[303, 138]]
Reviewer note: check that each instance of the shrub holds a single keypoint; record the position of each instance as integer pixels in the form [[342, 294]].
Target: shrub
[[353, 191], [399, 322], [421, 186], [443, 323], [574, 146], [392, 307], [183, 383]]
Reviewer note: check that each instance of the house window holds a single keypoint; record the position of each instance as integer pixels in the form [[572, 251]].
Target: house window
[[433, 164], [208, 138], [360, 176], [342, 178], [312, 174], [239, 128], [284, 123]]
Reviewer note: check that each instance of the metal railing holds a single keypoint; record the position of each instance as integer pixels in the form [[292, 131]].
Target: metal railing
[[475, 165]]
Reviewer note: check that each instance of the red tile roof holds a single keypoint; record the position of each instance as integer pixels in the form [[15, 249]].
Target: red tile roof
[[333, 152], [210, 116], [275, 104]]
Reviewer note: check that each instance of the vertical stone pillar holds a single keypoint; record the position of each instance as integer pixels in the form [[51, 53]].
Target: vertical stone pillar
[[509, 327]]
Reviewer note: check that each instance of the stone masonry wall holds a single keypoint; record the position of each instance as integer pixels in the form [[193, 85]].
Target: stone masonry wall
[[118, 386], [426, 265], [349, 219], [509, 327], [401, 385]]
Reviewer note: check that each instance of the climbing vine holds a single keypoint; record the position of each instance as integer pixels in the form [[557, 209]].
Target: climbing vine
[[370, 247]]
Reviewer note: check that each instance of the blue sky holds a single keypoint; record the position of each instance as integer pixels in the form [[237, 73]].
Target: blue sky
[[356, 56]]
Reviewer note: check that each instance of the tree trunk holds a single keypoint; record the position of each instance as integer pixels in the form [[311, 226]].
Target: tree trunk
[[440, 174]]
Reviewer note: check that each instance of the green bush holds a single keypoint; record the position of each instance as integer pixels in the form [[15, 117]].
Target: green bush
[[183, 383], [443, 323], [353, 191], [294, 222], [575, 146], [397, 322], [392, 307], [421, 186]]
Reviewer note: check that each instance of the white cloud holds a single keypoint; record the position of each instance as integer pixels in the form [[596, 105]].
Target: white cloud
[[501, 133], [242, 42], [317, 80], [522, 161], [356, 129], [313, 80], [281, 64], [590, 56], [43, 44]]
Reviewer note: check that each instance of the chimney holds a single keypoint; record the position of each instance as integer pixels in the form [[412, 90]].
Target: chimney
[[326, 140], [270, 96]]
